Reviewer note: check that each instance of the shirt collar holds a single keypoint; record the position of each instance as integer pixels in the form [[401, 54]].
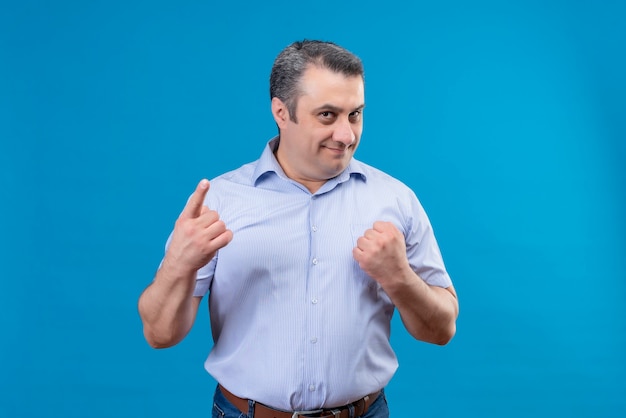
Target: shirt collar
[[269, 164]]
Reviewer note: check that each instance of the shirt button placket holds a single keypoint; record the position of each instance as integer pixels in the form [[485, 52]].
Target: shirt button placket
[[313, 331]]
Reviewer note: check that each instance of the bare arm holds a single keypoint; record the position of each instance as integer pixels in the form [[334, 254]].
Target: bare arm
[[428, 312], [167, 307]]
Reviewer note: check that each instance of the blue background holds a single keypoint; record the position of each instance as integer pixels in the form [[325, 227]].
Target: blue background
[[508, 119]]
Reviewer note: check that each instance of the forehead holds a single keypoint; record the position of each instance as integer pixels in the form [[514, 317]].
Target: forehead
[[323, 85]]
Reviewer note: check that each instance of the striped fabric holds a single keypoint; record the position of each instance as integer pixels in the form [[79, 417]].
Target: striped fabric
[[296, 323]]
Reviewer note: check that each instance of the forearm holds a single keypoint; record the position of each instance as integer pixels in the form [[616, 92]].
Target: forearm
[[429, 313], [167, 307]]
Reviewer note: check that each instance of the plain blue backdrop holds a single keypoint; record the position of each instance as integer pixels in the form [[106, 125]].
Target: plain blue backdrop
[[508, 119]]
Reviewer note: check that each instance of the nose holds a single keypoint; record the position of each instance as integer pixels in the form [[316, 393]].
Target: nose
[[344, 133]]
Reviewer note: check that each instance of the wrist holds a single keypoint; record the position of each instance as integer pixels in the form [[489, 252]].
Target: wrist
[[401, 281], [174, 271]]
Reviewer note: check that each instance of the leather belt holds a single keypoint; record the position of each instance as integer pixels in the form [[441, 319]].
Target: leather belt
[[262, 411]]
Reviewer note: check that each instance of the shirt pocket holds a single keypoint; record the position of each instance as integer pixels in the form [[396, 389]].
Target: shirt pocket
[[357, 230], [374, 288]]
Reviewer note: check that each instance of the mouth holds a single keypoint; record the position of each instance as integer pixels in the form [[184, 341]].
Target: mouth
[[337, 149]]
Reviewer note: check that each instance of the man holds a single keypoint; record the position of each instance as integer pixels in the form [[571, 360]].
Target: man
[[305, 254]]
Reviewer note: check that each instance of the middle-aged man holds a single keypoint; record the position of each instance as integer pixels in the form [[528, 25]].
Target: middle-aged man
[[305, 254]]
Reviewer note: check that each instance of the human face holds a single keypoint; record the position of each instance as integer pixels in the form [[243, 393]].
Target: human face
[[329, 113]]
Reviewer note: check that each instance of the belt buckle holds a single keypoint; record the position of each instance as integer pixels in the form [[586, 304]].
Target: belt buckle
[[297, 414]]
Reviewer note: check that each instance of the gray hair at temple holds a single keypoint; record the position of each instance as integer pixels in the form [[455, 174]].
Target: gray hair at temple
[[292, 62]]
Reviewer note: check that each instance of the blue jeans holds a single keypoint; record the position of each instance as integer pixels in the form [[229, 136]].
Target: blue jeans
[[222, 408]]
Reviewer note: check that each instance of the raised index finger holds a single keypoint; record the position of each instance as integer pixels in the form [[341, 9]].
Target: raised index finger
[[196, 200]]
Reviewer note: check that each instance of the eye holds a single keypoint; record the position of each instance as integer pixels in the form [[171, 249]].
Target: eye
[[355, 116], [327, 116]]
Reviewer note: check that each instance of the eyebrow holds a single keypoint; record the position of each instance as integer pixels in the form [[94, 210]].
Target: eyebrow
[[333, 108]]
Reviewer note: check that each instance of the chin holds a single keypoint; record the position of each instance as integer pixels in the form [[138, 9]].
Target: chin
[[335, 171]]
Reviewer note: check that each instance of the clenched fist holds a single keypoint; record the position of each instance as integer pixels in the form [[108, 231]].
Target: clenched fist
[[381, 253], [198, 233]]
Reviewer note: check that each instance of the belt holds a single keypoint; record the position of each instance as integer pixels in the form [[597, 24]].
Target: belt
[[261, 411]]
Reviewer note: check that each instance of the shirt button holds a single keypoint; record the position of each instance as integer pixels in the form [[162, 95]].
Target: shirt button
[[311, 388], [314, 301], [314, 228], [315, 261]]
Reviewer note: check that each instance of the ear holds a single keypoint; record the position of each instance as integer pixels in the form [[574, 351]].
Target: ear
[[280, 112]]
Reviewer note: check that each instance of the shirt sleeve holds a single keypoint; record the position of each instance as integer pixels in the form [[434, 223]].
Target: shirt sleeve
[[422, 248], [204, 277]]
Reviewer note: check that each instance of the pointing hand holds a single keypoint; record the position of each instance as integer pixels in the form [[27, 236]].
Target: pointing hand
[[198, 233]]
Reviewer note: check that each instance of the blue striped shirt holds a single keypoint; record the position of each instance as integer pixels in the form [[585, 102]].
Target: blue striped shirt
[[296, 323]]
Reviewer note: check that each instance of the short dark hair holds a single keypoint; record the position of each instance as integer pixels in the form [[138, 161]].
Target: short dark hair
[[292, 62]]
